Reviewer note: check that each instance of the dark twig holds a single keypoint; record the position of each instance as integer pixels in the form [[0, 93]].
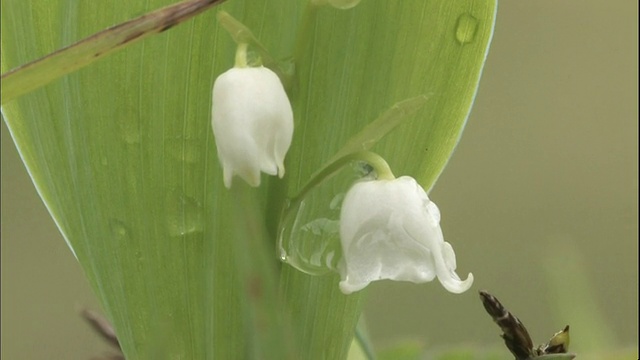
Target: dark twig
[[106, 331], [517, 338]]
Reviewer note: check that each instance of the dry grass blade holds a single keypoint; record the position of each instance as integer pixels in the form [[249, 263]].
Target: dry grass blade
[[38, 73], [101, 326], [106, 331]]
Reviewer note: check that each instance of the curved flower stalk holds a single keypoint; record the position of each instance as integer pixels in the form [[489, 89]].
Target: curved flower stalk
[[389, 229], [252, 122]]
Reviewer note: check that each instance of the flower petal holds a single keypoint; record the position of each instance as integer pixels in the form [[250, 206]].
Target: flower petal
[[389, 229], [252, 123]]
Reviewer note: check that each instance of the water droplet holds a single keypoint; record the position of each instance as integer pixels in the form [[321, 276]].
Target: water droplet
[[466, 28], [184, 214], [305, 242], [118, 229], [309, 238]]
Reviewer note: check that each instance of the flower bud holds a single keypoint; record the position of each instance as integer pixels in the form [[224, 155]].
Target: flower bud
[[252, 123], [389, 229]]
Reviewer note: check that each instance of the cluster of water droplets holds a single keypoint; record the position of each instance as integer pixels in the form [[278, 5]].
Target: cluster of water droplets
[[309, 235], [182, 210]]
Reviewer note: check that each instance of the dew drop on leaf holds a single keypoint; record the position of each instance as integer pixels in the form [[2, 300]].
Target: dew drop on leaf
[[118, 229], [466, 28], [183, 214], [309, 236]]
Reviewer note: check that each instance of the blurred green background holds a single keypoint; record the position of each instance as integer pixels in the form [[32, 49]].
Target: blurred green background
[[540, 202]]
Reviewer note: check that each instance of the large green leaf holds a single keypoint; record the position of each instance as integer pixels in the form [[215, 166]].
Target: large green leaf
[[357, 65], [123, 155], [27, 77]]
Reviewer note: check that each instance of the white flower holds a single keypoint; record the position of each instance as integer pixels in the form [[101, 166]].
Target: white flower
[[389, 229], [252, 123]]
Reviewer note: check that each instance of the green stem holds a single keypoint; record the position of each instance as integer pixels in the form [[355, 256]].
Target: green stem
[[380, 166], [242, 35], [241, 55]]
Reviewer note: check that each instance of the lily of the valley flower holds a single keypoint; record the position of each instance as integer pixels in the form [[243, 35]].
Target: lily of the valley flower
[[389, 229], [252, 123]]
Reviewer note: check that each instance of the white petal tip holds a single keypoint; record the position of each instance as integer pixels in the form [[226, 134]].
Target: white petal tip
[[345, 290], [254, 182], [227, 180], [457, 286], [349, 289]]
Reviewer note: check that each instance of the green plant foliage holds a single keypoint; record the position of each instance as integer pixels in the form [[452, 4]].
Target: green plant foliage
[[28, 77], [122, 154], [351, 74]]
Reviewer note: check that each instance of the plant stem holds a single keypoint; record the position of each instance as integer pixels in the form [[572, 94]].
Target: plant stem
[[380, 166], [241, 55]]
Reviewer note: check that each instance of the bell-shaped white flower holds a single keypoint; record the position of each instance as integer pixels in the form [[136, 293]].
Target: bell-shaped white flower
[[389, 229], [252, 123]]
